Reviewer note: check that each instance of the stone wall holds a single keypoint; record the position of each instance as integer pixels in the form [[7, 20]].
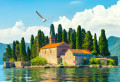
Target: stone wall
[[68, 58], [50, 54], [17, 64]]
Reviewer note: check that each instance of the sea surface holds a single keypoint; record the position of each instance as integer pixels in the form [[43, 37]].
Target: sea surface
[[59, 74]]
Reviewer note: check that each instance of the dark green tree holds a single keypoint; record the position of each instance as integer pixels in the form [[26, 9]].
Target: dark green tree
[[59, 33], [13, 51], [28, 53], [95, 45], [17, 50], [35, 47], [56, 38], [8, 54], [64, 36], [39, 39], [23, 54], [83, 32], [32, 45], [79, 38], [52, 29], [46, 40], [69, 33], [72, 40], [88, 41], [103, 44], [42, 39]]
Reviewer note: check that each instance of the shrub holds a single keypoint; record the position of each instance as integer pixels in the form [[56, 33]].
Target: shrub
[[94, 60], [11, 60], [97, 61], [38, 61], [110, 61], [94, 52]]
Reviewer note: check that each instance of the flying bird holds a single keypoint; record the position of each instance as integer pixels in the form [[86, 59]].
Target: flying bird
[[43, 18]]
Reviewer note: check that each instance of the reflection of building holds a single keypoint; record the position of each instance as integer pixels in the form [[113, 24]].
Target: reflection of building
[[76, 56], [58, 53]]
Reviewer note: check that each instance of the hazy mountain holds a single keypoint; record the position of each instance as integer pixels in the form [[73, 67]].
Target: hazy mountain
[[2, 50], [114, 45]]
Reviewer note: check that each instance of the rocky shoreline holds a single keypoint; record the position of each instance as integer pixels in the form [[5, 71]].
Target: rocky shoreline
[[82, 66]]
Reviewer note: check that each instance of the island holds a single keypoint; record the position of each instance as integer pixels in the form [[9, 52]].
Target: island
[[72, 49]]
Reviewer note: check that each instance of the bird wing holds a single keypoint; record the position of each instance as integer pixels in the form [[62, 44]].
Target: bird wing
[[50, 18], [39, 15]]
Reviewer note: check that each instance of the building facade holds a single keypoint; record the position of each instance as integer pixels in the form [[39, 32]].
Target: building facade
[[76, 57]]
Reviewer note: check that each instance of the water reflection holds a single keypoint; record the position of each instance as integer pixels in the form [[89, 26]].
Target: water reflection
[[56, 74]]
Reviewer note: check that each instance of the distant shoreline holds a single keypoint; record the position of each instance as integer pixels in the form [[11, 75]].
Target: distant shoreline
[[82, 66]]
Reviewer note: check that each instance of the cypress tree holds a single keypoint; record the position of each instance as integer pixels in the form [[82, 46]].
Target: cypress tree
[[46, 40], [28, 53], [13, 51], [78, 38], [69, 33], [103, 44], [56, 38], [17, 50], [52, 29], [39, 39], [95, 45], [23, 54], [32, 45], [8, 54], [42, 39], [64, 36], [88, 41], [59, 33], [72, 40], [35, 53], [83, 32]]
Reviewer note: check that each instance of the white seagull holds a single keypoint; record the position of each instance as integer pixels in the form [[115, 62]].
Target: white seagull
[[43, 18]]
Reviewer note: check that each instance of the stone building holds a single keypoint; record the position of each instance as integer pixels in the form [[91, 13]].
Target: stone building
[[53, 51], [76, 57]]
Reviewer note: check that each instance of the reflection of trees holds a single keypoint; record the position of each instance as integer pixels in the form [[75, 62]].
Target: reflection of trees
[[57, 74], [99, 74], [15, 75]]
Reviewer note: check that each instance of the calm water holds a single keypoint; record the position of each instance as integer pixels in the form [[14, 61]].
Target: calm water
[[60, 75]]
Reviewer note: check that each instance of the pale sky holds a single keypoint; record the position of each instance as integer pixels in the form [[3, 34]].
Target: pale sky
[[18, 17]]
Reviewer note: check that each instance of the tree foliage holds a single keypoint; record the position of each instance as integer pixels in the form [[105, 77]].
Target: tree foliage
[[79, 38], [64, 36], [8, 54], [59, 33], [23, 55], [95, 45], [103, 44], [88, 41]]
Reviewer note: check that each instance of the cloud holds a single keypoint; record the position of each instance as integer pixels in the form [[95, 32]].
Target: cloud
[[95, 19], [74, 2], [19, 30]]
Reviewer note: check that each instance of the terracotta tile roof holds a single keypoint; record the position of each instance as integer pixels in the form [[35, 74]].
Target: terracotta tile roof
[[80, 51], [51, 45]]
